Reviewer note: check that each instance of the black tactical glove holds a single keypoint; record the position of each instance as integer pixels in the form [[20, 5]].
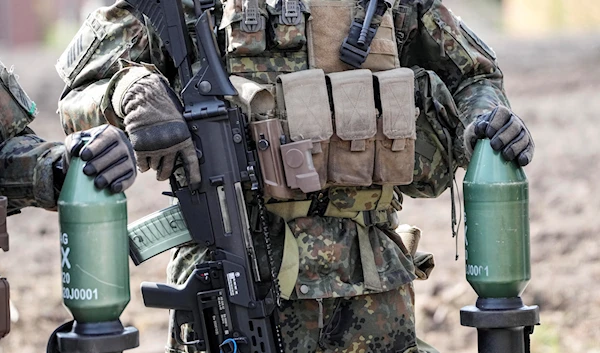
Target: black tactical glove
[[153, 120], [507, 133], [109, 156]]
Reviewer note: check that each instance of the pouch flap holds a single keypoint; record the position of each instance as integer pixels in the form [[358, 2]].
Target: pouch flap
[[424, 264], [233, 11], [354, 104], [397, 98], [274, 7], [306, 105], [255, 99]]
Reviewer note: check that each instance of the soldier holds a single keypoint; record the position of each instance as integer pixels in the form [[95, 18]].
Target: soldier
[[350, 287], [32, 170]]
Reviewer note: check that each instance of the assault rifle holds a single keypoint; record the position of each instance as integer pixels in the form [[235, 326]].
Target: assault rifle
[[4, 287], [224, 300]]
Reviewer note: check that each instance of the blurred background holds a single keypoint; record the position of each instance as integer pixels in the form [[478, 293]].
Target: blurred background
[[549, 51]]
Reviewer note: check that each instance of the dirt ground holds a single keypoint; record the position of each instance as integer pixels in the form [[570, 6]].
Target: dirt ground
[[553, 84]]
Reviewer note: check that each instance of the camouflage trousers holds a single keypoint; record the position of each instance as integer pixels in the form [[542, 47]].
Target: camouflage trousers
[[373, 323]]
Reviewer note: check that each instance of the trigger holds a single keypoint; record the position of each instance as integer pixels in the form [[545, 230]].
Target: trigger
[[176, 332]]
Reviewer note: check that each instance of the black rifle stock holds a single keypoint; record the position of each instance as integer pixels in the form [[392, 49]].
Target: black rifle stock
[[220, 298]]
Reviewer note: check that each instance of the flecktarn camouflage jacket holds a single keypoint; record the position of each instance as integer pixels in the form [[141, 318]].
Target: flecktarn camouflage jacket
[[456, 79]]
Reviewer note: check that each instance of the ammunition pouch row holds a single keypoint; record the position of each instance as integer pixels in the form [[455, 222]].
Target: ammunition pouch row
[[253, 25], [277, 45], [353, 128]]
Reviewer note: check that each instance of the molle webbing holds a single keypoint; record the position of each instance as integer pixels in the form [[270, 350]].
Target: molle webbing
[[265, 68], [342, 202]]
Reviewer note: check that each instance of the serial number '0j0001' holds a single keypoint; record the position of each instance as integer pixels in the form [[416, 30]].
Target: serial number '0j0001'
[[80, 293], [477, 270]]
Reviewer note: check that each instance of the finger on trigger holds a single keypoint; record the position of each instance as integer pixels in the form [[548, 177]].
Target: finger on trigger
[[192, 167], [143, 162], [166, 167]]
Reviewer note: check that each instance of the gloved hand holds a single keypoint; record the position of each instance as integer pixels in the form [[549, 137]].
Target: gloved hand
[[507, 133], [153, 120], [108, 154]]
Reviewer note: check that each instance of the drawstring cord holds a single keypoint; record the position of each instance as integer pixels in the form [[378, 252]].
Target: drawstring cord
[[455, 223]]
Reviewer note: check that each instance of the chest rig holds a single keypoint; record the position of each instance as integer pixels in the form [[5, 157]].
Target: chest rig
[[330, 107]]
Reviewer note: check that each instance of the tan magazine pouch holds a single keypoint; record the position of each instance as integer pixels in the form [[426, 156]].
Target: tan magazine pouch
[[395, 142], [352, 151], [329, 24], [256, 100], [302, 99]]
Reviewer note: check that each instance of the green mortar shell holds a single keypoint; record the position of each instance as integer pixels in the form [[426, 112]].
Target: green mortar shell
[[496, 194], [94, 248]]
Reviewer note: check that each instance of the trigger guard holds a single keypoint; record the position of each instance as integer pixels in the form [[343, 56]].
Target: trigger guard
[[179, 319]]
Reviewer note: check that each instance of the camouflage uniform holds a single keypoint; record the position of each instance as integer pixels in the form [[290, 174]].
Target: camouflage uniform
[[334, 307], [26, 173]]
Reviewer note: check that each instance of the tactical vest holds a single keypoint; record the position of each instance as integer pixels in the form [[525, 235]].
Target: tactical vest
[[318, 123]]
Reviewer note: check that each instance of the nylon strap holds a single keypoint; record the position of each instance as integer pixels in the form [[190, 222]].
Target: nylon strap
[[290, 262], [370, 273], [290, 265], [289, 210], [385, 200], [333, 211]]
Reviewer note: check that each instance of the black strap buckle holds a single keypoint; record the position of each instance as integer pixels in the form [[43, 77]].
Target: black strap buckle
[[352, 52], [290, 12], [252, 21]]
